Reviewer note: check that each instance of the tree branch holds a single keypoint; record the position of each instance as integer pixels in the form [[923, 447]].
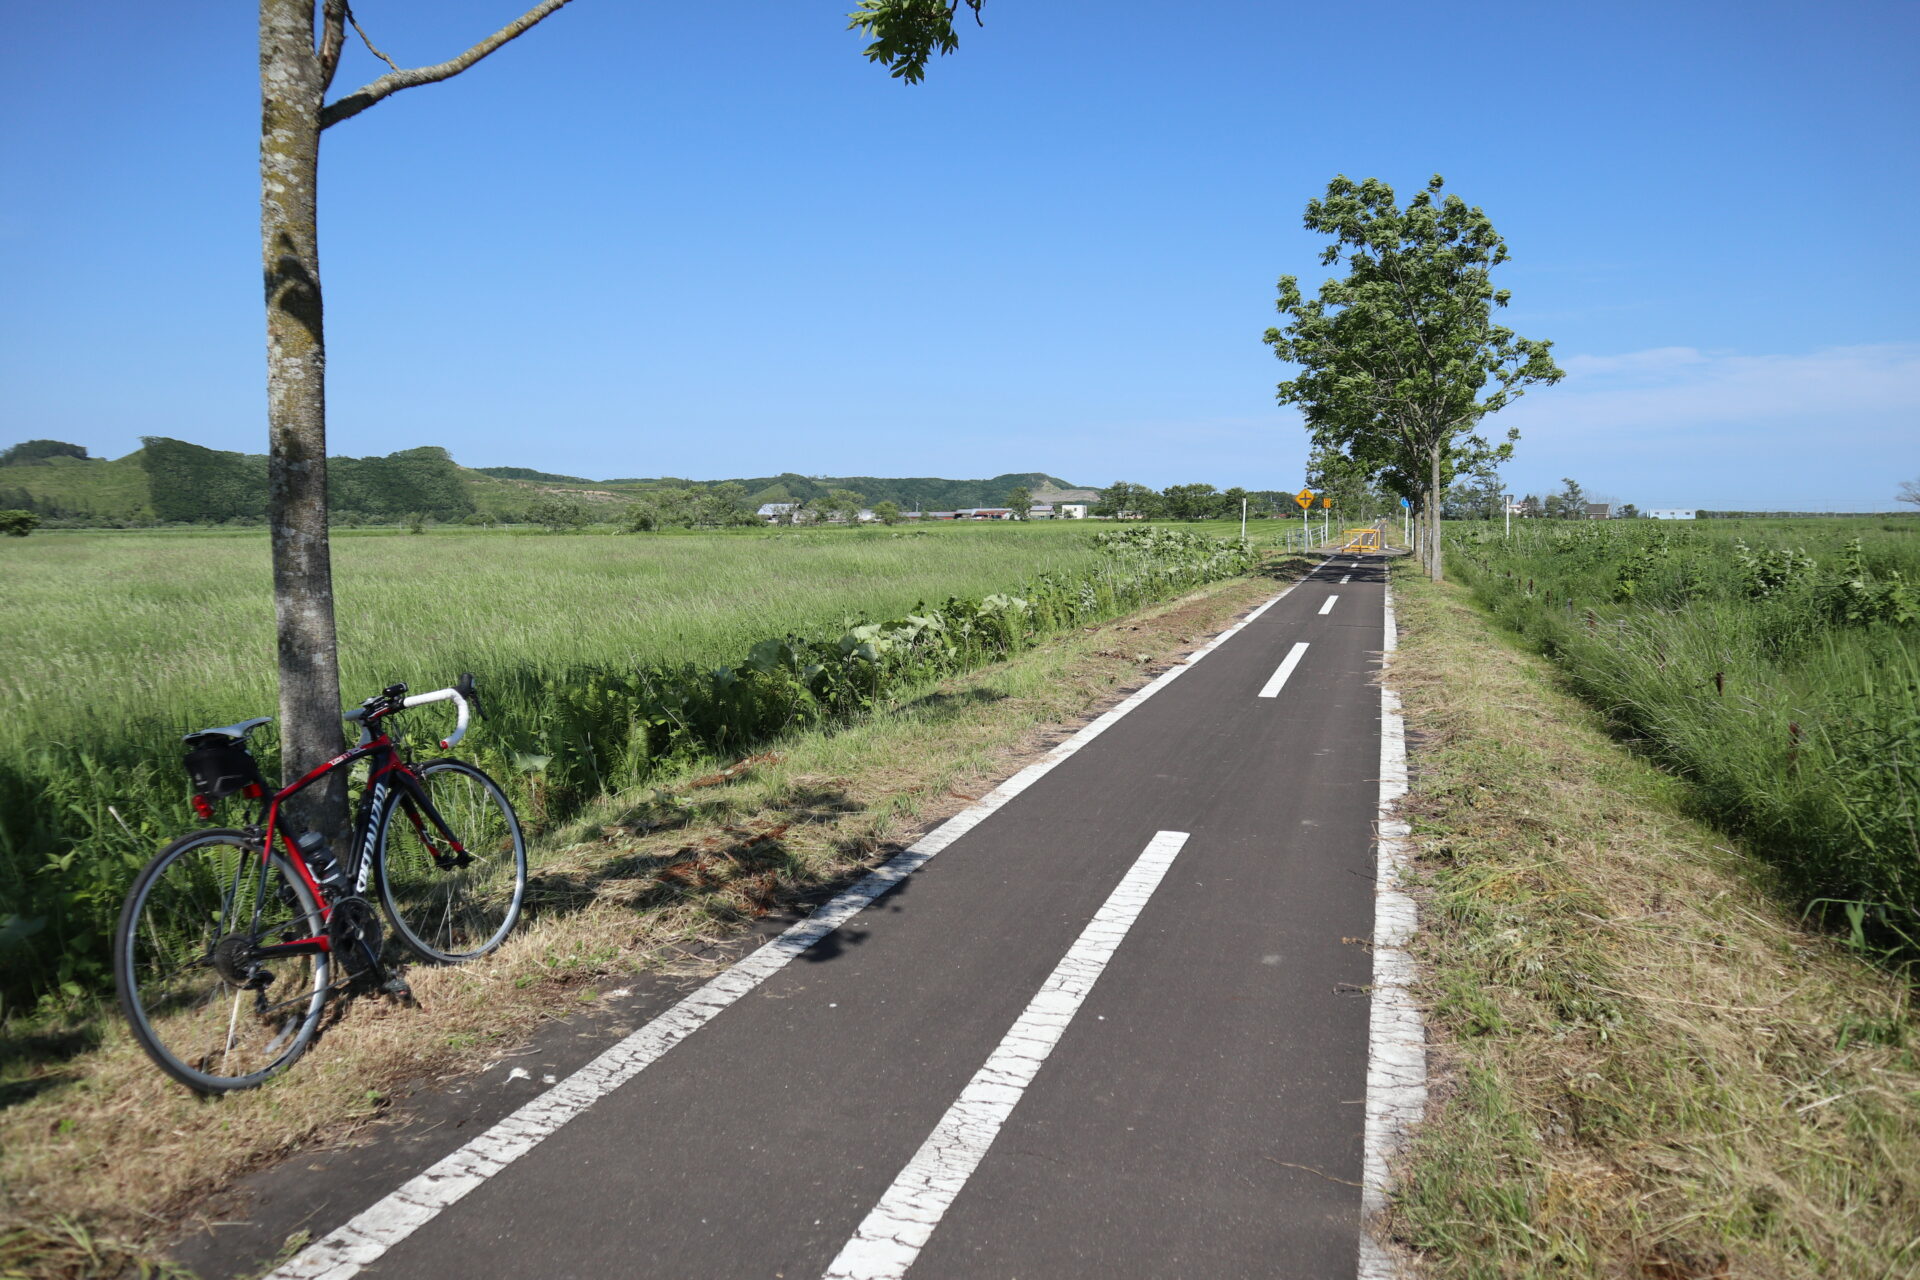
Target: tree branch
[[386, 86], [367, 40], [333, 38]]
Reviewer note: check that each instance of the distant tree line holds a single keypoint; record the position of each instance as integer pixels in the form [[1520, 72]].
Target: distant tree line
[[191, 484]]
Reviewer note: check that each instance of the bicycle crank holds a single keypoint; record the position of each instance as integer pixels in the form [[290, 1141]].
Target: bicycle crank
[[353, 931]]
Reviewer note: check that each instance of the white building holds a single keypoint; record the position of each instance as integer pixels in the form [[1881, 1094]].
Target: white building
[[1673, 513], [1072, 510], [775, 512]]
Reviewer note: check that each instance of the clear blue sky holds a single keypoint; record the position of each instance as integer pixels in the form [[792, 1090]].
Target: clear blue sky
[[708, 240]]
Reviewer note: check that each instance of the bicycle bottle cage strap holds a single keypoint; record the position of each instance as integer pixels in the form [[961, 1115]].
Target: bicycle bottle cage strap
[[220, 766]]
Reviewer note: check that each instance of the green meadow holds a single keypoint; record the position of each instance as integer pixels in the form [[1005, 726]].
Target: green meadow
[[600, 655], [1775, 663]]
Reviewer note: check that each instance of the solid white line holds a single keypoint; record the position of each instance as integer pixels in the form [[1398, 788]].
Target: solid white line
[[1285, 669], [1328, 606], [1397, 1043], [387, 1222], [900, 1225]]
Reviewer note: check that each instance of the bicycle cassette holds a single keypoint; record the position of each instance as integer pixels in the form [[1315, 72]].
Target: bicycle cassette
[[353, 931]]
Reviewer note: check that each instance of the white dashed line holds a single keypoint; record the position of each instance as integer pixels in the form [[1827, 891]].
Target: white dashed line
[[900, 1225], [370, 1234], [1328, 606], [1345, 579], [1285, 669]]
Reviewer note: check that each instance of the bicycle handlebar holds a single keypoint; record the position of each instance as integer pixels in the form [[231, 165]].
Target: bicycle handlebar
[[458, 696]]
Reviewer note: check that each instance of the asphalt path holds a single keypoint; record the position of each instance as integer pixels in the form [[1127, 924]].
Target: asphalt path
[[1118, 1028]]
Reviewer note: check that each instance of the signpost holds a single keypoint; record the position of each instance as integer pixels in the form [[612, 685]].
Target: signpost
[[1305, 499], [1406, 521], [1326, 518]]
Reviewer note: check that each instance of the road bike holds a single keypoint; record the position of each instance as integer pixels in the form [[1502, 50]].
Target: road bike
[[233, 939]]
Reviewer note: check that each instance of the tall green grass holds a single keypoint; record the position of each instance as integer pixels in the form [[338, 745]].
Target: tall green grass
[[600, 657], [1774, 663]]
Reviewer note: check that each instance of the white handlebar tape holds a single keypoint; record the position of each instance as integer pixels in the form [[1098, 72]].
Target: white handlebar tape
[[444, 695]]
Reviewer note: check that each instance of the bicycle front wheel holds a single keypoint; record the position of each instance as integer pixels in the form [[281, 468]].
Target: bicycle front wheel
[[206, 1009], [450, 901]]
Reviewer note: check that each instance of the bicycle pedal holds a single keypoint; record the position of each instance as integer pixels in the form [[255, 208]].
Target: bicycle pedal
[[396, 986]]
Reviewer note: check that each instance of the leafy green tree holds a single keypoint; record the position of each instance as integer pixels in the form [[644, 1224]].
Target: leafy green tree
[[28, 452], [556, 514], [843, 505], [1190, 501], [887, 512], [1628, 511], [1573, 500], [1123, 501], [1400, 360], [18, 524], [1020, 501]]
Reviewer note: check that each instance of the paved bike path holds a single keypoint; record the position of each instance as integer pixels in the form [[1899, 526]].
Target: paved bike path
[[1201, 1113]]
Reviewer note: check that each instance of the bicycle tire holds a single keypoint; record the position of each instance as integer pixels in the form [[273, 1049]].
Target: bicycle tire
[[450, 916], [201, 888]]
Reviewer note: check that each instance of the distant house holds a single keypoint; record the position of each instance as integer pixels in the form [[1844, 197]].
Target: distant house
[[1072, 510], [1674, 513], [865, 516], [942, 515], [984, 513], [775, 512], [1040, 511], [1599, 511]]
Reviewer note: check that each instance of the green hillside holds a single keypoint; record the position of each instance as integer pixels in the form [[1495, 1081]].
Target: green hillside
[[172, 481]]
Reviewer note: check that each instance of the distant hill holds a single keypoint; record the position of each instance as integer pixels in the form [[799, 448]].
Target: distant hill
[[171, 481]]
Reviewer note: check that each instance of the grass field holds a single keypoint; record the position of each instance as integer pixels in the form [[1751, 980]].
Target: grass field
[[588, 647], [1774, 663]]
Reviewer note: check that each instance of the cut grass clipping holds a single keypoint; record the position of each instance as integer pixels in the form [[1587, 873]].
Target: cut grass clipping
[[100, 1137], [1644, 1068]]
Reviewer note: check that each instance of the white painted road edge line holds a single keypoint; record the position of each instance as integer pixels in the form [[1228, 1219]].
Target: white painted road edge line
[[899, 1226], [1397, 1040], [1285, 669], [378, 1228], [1328, 606]]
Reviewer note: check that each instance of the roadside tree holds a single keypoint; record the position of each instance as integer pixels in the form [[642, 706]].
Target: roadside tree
[[1190, 501], [887, 512], [1019, 500], [1123, 501], [301, 43], [1400, 360]]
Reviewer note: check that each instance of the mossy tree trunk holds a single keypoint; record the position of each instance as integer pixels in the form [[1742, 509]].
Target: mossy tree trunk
[[293, 82]]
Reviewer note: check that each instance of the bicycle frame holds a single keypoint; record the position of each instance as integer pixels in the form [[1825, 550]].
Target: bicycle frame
[[386, 761]]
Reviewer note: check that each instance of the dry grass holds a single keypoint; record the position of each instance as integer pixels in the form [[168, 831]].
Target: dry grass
[[114, 1146], [1645, 1068]]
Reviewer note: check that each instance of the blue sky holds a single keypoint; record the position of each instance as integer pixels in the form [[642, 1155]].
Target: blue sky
[[708, 240]]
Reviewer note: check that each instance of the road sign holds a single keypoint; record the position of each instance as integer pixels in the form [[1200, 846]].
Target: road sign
[[1405, 503], [1304, 498], [1326, 502]]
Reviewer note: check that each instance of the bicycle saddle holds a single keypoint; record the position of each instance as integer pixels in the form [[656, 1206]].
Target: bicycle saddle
[[237, 732]]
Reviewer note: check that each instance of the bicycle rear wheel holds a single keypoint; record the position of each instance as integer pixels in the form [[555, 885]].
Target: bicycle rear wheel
[[207, 1013], [451, 905]]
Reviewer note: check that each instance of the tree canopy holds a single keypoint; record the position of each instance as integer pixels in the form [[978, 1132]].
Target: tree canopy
[[1400, 359]]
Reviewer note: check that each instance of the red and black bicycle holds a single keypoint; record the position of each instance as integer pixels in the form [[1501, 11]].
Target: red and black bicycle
[[232, 939]]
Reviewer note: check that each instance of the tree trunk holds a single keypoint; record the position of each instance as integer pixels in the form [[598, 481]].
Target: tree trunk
[[1435, 568], [292, 85]]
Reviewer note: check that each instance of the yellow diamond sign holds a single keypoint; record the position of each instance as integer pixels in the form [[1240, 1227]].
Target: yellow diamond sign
[[1304, 498]]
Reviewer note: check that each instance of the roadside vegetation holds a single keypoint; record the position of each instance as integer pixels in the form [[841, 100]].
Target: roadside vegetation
[[1642, 1064], [96, 1143], [602, 662], [1774, 664]]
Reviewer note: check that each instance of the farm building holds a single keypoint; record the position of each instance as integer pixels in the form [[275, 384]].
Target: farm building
[[1673, 513]]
